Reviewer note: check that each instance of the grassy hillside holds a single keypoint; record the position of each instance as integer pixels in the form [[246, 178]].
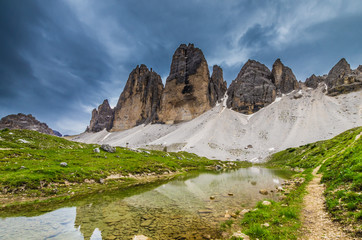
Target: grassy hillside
[[30, 164], [341, 164], [341, 159]]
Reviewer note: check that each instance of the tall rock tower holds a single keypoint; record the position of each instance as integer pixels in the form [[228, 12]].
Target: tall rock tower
[[140, 99], [186, 93]]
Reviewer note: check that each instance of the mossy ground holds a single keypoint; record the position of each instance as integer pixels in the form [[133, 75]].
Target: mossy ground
[[341, 165], [30, 166]]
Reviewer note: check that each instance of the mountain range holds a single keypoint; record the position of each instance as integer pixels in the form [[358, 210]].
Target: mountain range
[[261, 112], [190, 90]]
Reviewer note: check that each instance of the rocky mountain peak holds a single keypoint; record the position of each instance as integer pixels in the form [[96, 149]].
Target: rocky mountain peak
[[101, 118], [283, 77], [186, 93], [140, 100], [217, 86], [23, 121], [341, 69], [313, 81], [252, 89]]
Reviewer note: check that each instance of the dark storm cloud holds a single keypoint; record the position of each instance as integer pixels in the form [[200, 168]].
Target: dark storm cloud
[[47, 60], [61, 58]]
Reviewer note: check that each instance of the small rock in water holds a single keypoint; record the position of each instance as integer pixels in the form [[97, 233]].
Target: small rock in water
[[227, 215], [266, 203], [63, 164], [231, 194], [212, 197], [108, 148], [241, 235], [140, 237], [96, 150], [218, 167], [263, 191]]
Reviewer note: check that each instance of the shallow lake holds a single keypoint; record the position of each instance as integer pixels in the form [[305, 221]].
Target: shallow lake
[[178, 209]]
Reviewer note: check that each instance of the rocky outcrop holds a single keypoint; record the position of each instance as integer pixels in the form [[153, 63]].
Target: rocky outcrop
[[313, 81], [186, 93], [252, 89], [217, 85], [337, 73], [22, 121], [101, 118], [140, 100], [341, 79], [283, 78]]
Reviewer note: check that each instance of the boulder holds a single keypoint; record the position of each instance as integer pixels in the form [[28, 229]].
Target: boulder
[[108, 148], [283, 78], [252, 89], [186, 94], [63, 164], [101, 118], [140, 99]]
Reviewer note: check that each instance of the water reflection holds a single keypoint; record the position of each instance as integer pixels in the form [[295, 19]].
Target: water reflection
[[180, 209]]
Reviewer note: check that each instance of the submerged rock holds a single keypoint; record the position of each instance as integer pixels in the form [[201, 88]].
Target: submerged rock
[[263, 191]]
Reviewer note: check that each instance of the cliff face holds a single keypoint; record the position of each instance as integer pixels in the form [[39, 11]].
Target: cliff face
[[313, 81], [22, 121], [140, 100], [217, 85], [283, 78], [342, 79], [101, 118], [186, 93], [252, 89]]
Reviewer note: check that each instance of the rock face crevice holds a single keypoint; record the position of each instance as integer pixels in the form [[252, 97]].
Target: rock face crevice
[[252, 89], [22, 121], [102, 118], [186, 93], [140, 100]]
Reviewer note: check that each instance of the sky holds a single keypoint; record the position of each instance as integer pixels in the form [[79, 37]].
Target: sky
[[60, 59]]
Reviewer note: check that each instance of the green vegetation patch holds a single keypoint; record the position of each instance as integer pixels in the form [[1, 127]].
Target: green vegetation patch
[[280, 220], [30, 164], [342, 173]]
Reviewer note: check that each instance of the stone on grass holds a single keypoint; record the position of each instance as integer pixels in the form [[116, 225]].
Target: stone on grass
[[266, 203], [63, 164], [265, 225], [96, 150], [108, 148]]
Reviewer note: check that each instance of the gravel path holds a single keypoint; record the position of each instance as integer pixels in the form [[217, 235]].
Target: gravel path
[[317, 224]]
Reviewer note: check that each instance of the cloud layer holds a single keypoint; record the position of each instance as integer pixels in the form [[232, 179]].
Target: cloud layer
[[59, 59]]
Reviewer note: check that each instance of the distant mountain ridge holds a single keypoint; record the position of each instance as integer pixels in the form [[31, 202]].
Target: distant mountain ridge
[[190, 91], [22, 121]]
